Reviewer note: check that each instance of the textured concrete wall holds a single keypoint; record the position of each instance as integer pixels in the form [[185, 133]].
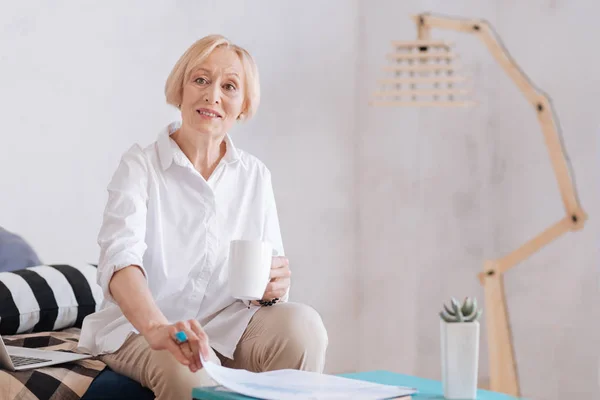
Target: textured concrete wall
[[440, 190]]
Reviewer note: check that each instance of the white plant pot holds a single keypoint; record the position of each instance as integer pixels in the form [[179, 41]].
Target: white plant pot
[[460, 359]]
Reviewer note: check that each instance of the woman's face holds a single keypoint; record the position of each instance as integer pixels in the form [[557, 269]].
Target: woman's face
[[214, 94]]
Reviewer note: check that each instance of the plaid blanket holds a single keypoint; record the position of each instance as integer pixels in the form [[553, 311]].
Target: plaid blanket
[[64, 381]]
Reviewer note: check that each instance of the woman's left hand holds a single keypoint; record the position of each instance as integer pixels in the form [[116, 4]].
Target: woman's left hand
[[279, 282]]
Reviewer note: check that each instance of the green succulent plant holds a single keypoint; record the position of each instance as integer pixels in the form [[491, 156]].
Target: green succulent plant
[[465, 312]]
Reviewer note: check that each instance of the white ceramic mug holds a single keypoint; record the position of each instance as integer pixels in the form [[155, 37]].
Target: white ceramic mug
[[249, 268]]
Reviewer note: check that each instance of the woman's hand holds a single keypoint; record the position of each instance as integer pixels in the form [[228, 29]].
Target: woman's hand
[[279, 282], [162, 337]]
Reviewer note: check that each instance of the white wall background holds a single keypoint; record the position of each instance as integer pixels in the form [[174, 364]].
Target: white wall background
[[82, 81], [385, 212]]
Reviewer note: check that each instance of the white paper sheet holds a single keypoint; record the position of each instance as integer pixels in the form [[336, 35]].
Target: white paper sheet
[[289, 384]]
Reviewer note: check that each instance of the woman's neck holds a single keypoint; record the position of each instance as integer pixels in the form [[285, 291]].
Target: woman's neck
[[204, 151]]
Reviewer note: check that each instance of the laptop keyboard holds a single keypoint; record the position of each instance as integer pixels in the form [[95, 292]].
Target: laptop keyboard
[[20, 361]]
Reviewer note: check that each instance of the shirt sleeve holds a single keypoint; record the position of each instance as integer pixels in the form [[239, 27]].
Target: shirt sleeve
[[122, 234], [272, 231]]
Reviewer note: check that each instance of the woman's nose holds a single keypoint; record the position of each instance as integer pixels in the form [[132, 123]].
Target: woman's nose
[[213, 95]]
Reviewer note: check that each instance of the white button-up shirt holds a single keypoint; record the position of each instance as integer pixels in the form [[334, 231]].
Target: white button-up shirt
[[165, 217]]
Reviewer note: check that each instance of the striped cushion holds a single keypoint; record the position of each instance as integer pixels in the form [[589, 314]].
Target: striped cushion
[[47, 298]]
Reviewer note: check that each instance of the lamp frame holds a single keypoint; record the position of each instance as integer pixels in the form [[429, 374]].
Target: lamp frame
[[502, 365]]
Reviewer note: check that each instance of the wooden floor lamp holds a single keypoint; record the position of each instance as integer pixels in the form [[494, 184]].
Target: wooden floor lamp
[[430, 63]]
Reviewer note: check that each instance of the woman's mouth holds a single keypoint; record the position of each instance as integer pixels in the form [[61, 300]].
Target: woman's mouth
[[206, 113]]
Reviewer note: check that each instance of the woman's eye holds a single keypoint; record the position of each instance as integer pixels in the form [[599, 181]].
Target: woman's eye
[[229, 86], [200, 81]]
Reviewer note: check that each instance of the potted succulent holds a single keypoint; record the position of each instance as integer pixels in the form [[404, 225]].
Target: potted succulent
[[459, 337]]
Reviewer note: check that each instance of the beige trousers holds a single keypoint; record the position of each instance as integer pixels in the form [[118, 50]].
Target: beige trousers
[[286, 335]]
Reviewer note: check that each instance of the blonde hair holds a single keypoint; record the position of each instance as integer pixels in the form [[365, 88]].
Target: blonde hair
[[196, 54]]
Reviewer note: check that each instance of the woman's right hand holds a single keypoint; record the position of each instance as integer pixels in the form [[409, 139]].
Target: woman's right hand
[[162, 337]]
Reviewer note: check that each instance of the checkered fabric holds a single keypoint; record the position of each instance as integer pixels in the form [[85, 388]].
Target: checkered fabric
[[59, 382]]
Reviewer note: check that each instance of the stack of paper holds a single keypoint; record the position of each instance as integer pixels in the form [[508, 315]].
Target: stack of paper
[[289, 384]]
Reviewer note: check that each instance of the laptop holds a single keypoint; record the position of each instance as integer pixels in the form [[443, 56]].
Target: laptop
[[20, 358]]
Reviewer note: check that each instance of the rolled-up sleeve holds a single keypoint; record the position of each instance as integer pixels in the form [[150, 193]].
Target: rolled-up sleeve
[[272, 230], [123, 231]]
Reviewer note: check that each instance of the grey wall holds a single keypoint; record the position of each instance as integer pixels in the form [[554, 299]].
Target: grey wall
[[440, 190]]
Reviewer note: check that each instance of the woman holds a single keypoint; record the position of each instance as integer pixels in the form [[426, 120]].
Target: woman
[[172, 210]]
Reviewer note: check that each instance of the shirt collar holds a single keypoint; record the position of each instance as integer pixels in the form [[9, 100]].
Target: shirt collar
[[169, 151]]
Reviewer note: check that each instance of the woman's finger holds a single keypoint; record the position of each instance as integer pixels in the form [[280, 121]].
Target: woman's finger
[[283, 272], [278, 294], [279, 261], [203, 347], [189, 347], [194, 342], [186, 349], [278, 284], [276, 291], [174, 349]]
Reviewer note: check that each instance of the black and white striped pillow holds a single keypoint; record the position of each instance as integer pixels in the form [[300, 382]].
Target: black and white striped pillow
[[47, 297]]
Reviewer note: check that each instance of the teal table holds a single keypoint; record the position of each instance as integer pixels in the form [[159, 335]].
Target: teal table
[[428, 389]]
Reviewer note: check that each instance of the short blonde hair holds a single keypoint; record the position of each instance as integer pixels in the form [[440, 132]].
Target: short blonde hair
[[196, 54]]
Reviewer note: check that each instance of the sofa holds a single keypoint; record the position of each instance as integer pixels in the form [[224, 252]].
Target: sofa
[[40, 299]]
